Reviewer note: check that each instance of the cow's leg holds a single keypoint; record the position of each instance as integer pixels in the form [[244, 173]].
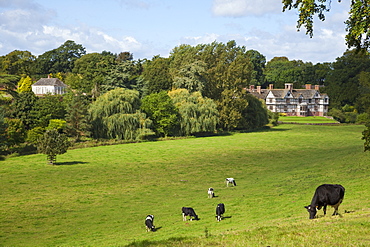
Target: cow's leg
[[324, 209], [183, 217], [336, 206]]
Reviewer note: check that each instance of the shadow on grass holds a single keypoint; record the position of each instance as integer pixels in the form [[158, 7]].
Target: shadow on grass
[[146, 243], [71, 163]]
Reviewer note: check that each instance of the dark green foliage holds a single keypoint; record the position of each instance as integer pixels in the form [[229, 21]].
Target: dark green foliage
[[255, 115], [15, 132], [161, 110], [343, 83], [192, 77], [46, 108], [60, 59], [18, 63], [116, 115], [366, 137], [126, 74], [22, 107], [3, 126], [259, 61], [92, 69], [8, 84], [156, 75], [52, 143], [77, 116]]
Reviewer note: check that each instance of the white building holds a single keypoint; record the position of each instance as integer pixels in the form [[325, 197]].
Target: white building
[[49, 85], [294, 102]]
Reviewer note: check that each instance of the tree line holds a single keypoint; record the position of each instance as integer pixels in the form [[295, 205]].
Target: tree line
[[197, 90]]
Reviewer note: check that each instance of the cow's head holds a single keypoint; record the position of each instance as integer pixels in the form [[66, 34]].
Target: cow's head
[[312, 211]]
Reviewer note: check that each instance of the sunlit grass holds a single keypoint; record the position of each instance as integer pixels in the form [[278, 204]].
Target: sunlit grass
[[100, 196]]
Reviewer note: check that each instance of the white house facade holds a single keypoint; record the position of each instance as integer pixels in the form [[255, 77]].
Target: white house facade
[[294, 102], [49, 85]]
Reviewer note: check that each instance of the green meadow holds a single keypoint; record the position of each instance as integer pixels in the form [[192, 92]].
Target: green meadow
[[100, 196], [311, 119]]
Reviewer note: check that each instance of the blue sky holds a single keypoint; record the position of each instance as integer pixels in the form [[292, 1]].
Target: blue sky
[[154, 27]]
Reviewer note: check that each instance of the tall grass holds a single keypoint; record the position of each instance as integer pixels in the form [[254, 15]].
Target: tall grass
[[100, 196]]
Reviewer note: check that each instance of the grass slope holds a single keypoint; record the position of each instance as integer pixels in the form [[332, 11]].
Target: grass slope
[[307, 120], [100, 196]]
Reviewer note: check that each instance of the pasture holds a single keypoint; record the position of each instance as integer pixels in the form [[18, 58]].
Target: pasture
[[307, 120], [100, 196]]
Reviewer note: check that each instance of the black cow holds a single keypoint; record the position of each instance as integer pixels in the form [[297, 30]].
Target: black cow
[[326, 194], [220, 210], [189, 212], [211, 193], [230, 181], [149, 220]]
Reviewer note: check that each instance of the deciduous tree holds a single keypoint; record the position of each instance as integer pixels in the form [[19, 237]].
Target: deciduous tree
[[116, 115], [53, 143], [358, 23]]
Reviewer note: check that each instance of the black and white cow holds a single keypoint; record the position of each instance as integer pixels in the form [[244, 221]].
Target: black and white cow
[[220, 210], [149, 220], [230, 181], [326, 194], [211, 193], [189, 212]]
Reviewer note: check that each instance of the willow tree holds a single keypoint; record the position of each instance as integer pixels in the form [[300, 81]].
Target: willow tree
[[116, 115], [197, 113]]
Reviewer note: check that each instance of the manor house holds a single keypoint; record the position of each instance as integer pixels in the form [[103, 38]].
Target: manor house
[[293, 102]]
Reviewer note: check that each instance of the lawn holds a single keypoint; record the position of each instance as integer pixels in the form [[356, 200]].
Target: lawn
[[307, 120], [100, 196]]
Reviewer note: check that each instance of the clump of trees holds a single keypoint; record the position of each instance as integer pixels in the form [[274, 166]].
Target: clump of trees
[[197, 90]]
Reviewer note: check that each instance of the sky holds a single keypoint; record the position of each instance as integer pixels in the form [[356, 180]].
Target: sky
[[147, 28]]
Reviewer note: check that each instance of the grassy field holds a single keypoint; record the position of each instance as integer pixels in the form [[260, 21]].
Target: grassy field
[[100, 196], [302, 120]]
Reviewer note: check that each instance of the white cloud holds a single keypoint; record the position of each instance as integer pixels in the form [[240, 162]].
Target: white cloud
[[238, 8]]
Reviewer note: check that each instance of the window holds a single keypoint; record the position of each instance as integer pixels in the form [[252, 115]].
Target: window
[[288, 101]]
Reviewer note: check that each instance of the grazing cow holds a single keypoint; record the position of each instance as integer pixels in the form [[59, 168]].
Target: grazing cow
[[149, 223], [211, 193], [326, 194], [189, 212], [220, 210], [230, 181]]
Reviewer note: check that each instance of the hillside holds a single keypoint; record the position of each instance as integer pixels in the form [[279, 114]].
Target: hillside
[[100, 196]]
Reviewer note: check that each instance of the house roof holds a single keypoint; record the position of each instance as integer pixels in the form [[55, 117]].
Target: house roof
[[281, 93], [49, 82]]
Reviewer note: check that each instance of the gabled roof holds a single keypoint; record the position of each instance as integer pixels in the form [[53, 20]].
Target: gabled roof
[[49, 82]]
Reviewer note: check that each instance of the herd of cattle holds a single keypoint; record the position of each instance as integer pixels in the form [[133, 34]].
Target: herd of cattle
[[325, 195]]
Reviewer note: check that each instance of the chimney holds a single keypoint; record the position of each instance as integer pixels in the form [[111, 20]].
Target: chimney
[[259, 89], [271, 86], [49, 76], [308, 86], [289, 86], [317, 87], [251, 88]]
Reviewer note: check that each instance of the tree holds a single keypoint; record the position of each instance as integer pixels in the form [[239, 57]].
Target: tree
[[25, 84], [161, 110], [116, 115], [259, 61], [3, 126], [157, 75], [8, 84], [46, 108], [358, 23], [198, 114], [22, 108], [15, 132], [126, 74], [52, 143], [366, 137], [17, 62], [192, 77], [77, 116], [92, 68], [343, 82], [61, 59]]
